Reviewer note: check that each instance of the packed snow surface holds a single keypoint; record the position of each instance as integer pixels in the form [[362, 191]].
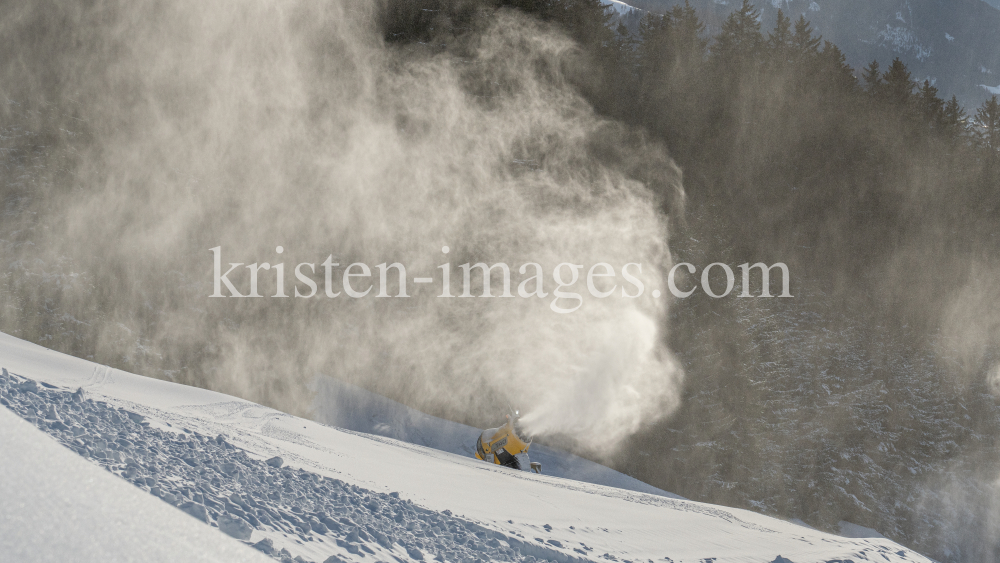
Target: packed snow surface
[[302, 491]]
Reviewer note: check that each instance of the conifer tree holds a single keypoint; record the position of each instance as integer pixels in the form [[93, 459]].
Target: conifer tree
[[954, 119], [898, 84], [988, 124], [803, 40], [872, 78], [668, 45], [653, 45], [621, 51], [653, 29], [779, 41], [740, 38], [835, 70], [687, 32], [931, 106]]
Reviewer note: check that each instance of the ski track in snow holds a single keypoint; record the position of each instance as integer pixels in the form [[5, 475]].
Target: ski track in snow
[[221, 485]]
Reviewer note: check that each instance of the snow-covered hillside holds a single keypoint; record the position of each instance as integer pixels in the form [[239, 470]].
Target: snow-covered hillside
[[346, 406], [334, 494]]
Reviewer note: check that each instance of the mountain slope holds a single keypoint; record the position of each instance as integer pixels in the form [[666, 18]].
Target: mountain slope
[[440, 504]]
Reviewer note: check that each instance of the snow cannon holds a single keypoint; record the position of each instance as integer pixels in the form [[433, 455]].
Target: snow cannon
[[505, 446]]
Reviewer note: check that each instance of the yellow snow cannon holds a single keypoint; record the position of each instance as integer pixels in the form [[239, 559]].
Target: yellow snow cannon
[[503, 446]]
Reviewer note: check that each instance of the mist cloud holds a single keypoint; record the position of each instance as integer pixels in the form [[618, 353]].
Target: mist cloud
[[252, 124]]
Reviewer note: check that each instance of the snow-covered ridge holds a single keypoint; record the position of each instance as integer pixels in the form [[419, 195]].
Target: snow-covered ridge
[[334, 485], [620, 7]]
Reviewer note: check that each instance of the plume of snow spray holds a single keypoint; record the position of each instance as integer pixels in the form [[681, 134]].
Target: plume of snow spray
[[247, 125]]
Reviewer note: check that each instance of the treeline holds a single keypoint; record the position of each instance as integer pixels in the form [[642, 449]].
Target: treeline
[[854, 400]]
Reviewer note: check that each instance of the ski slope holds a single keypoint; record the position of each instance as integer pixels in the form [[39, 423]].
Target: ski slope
[[342, 495], [350, 407]]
